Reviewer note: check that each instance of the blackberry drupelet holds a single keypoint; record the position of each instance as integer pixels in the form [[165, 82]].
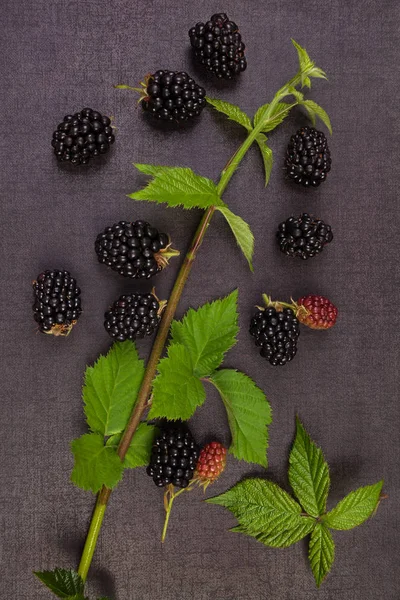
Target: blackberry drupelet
[[276, 332], [133, 316], [57, 305], [172, 96], [308, 159], [304, 236], [174, 457], [217, 44], [135, 250], [81, 136]]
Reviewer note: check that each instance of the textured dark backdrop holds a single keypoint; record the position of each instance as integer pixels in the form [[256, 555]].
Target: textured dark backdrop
[[58, 56]]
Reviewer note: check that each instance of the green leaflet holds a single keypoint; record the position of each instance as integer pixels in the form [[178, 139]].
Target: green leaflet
[[62, 582], [208, 333], [139, 451], [242, 233], [232, 111], [249, 414], [177, 186], [95, 464], [321, 552], [177, 392], [111, 387], [355, 508], [266, 512], [266, 154], [308, 473], [314, 109], [279, 113], [307, 66]]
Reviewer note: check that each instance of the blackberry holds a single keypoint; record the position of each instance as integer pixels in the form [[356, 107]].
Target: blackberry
[[172, 96], [308, 159], [135, 250], [217, 44], [133, 316], [57, 305], [276, 332], [81, 136], [174, 456], [304, 236]]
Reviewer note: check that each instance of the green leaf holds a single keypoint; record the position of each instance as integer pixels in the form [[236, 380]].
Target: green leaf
[[266, 512], [242, 233], [314, 108], [249, 414], [308, 473], [232, 111], [208, 333], [312, 116], [62, 582], [266, 154], [296, 93], [355, 508], [321, 552], [95, 464], [177, 186], [307, 66], [139, 451], [277, 116], [111, 387], [177, 392]]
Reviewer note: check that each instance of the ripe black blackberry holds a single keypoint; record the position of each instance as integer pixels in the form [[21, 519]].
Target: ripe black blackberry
[[81, 136], [217, 44], [172, 96], [276, 332], [303, 236], [174, 456], [57, 303], [135, 250], [133, 316], [308, 159]]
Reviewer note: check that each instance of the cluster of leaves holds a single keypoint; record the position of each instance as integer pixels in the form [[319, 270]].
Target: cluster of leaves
[[67, 584], [270, 515]]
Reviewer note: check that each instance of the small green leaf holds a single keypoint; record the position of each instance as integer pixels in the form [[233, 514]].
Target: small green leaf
[[177, 186], [266, 512], [308, 473], [242, 233], [208, 333], [62, 582], [355, 508], [95, 464], [321, 552], [249, 415], [111, 387], [266, 154], [314, 108], [139, 451], [277, 116], [177, 392], [307, 66], [232, 111], [311, 114]]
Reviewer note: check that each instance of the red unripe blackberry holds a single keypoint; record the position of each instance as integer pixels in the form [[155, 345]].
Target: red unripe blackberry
[[303, 236], [321, 313], [308, 159], [133, 316], [211, 463]]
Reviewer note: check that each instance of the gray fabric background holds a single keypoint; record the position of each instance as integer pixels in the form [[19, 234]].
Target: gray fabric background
[[60, 55]]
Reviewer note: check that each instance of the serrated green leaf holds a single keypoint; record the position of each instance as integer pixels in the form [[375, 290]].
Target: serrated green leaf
[[355, 508], [311, 114], [266, 512], [314, 108], [95, 464], [242, 232], [232, 111], [321, 552], [177, 186], [139, 451], [111, 387], [308, 473], [277, 116], [249, 415], [307, 66], [208, 333], [177, 392], [62, 582], [266, 154]]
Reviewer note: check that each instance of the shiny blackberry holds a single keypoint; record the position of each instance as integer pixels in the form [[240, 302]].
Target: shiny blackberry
[[133, 316], [57, 304], [303, 236], [276, 333], [308, 159], [217, 44], [172, 96], [81, 136]]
